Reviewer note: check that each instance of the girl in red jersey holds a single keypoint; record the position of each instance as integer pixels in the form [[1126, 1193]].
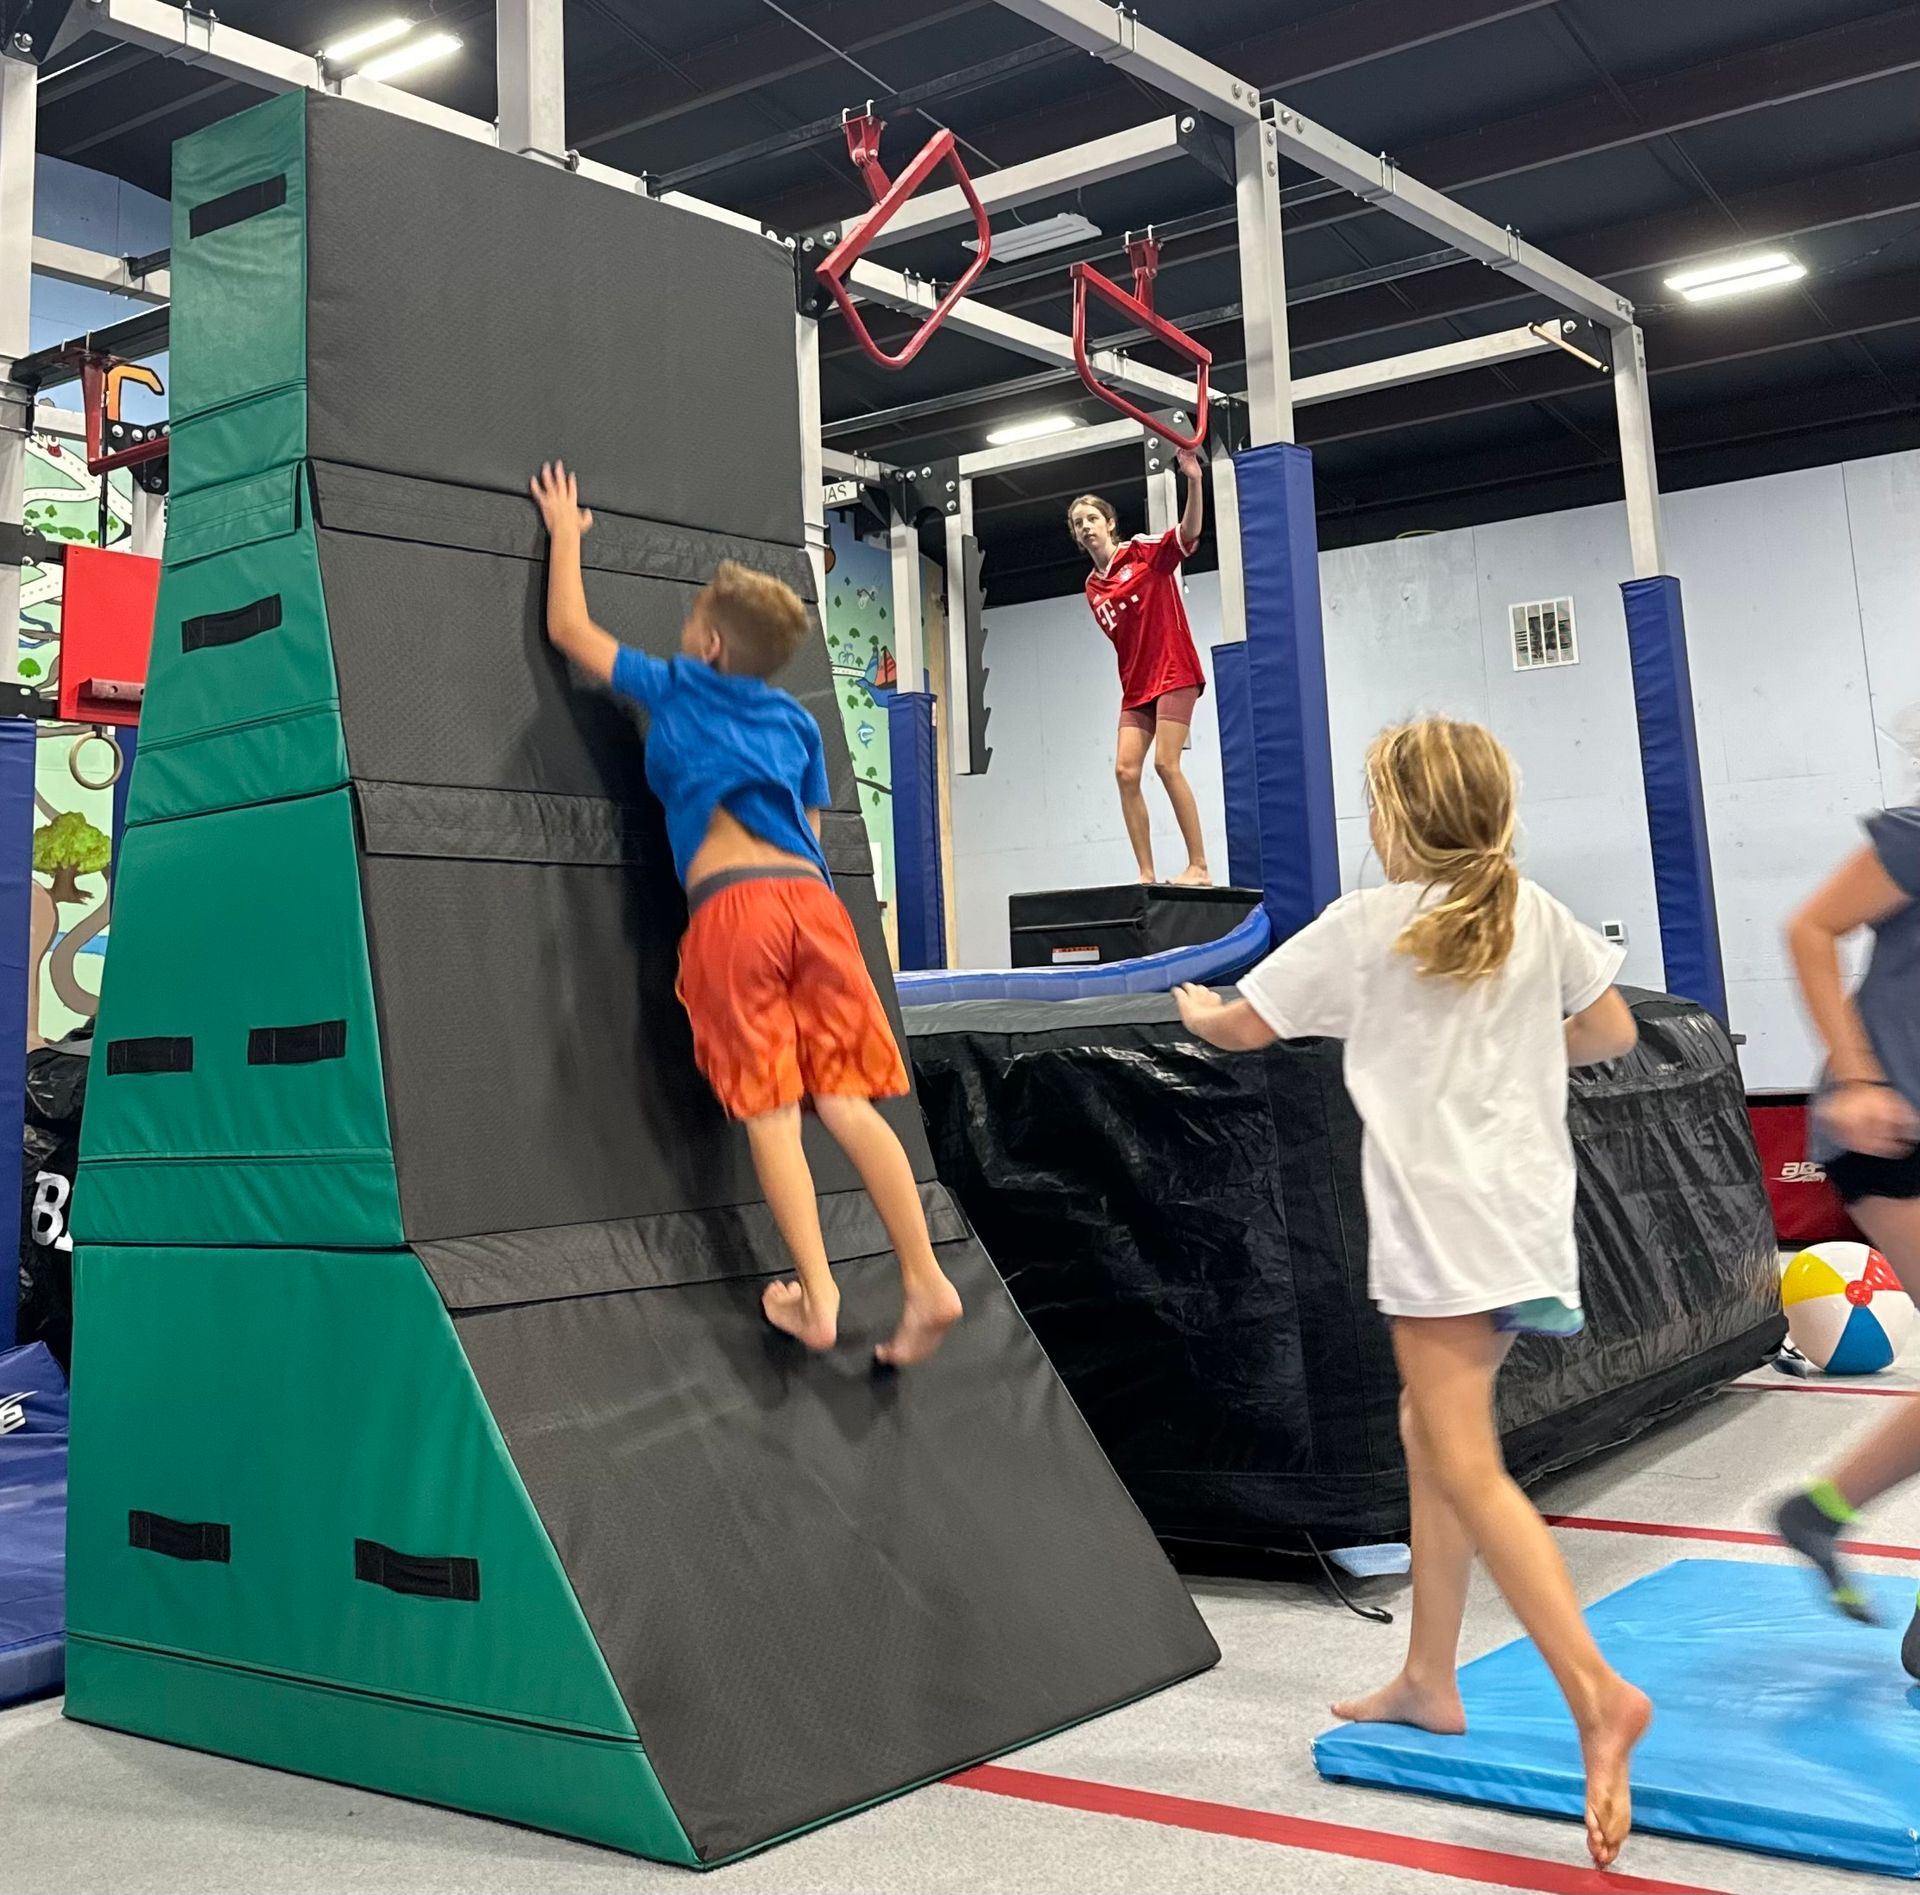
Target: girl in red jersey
[[1134, 590]]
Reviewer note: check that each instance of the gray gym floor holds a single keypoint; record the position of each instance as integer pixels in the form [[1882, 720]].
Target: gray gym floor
[[88, 1810]]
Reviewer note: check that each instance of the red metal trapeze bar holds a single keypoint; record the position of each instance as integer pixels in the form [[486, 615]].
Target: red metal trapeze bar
[[1143, 254], [1085, 278], [938, 150]]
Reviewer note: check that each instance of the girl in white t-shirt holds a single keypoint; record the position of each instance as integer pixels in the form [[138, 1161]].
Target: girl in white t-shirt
[[1463, 993]]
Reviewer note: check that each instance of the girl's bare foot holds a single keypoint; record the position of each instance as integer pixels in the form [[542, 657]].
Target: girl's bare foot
[[1404, 1702], [924, 1323], [810, 1321], [1606, 1746], [1194, 875]]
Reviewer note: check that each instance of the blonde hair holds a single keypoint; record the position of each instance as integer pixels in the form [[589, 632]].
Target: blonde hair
[[760, 619], [1443, 796]]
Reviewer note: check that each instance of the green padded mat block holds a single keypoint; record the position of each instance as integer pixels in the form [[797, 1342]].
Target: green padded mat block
[[240, 289], [305, 1402], [242, 704], [593, 1788], [240, 936]]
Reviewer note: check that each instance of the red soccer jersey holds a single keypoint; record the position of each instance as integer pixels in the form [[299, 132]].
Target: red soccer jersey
[[1137, 603]]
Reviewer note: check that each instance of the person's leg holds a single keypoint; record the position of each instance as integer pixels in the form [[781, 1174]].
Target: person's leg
[[1448, 1365], [1812, 1521], [1169, 742], [809, 1308], [932, 1304], [1129, 760], [1426, 1693]]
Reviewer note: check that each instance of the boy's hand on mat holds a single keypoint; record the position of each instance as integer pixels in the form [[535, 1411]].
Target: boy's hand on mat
[[1199, 1007], [557, 494], [1873, 1120]]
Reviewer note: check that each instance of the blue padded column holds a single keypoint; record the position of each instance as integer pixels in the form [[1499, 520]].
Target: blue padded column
[[18, 749], [918, 899], [1676, 809], [1239, 781], [1287, 685]]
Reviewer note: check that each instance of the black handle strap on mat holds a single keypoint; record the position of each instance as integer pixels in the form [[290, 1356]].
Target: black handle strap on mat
[[156, 1055], [180, 1539], [251, 200], [229, 628], [297, 1045], [425, 1577]]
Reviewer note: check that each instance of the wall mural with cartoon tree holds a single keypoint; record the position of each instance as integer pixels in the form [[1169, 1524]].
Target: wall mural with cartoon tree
[[72, 846], [860, 645]]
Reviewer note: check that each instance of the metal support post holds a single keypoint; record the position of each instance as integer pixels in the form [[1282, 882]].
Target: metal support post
[[1263, 283], [1226, 535], [909, 649], [959, 705], [1637, 466], [147, 528], [1163, 486], [18, 126], [813, 494], [530, 59]]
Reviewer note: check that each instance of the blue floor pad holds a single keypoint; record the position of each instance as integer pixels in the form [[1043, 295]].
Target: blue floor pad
[[33, 1522], [1778, 1724]]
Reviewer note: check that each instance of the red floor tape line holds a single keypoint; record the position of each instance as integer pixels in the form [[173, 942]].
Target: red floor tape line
[[1822, 1388], [1487, 1866], [1728, 1536]]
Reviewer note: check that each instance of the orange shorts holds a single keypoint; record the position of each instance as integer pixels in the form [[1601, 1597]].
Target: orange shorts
[[781, 1002]]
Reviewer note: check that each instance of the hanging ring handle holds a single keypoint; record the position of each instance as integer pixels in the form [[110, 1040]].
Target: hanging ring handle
[[97, 735], [1086, 278]]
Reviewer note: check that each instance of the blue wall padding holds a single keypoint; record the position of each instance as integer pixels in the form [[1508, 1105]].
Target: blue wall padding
[[1676, 809], [918, 904], [1287, 685], [18, 748], [1781, 1726], [1208, 963], [1239, 782]]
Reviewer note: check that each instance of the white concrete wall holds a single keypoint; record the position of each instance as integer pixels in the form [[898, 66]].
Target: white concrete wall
[[1802, 596]]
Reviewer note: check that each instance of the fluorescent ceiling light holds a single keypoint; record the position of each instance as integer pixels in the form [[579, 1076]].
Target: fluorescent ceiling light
[[1028, 240], [364, 42], [407, 58], [1736, 277], [1031, 430]]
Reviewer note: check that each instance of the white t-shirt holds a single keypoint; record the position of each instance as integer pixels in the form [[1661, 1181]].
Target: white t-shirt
[[1467, 1161]]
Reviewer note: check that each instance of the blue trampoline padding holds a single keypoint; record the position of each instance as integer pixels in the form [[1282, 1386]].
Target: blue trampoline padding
[[1146, 974], [33, 1522], [1778, 1725]]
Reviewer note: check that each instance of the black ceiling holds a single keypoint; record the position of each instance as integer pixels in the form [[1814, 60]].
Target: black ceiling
[[1624, 135]]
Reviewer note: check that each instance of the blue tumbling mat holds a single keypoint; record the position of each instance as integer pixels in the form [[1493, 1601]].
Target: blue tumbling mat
[[33, 1522], [1778, 1725]]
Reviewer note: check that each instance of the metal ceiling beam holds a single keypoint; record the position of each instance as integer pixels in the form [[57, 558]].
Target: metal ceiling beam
[[724, 69], [68, 263]]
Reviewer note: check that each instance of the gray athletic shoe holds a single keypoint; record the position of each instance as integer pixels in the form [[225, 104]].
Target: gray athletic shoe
[[1815, 1535]]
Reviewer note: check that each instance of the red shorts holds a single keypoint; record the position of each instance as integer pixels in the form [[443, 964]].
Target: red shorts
[[781, 1002], [1176, 707]]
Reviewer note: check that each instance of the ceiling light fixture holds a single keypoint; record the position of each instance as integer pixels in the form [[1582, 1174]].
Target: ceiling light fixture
[[408, 58], [341, 52], [1736, 277], [1033, 430], [1029, 240]]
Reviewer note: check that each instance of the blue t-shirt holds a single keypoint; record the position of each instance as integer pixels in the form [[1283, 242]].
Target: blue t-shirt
[[1888, 997], [718, 741]]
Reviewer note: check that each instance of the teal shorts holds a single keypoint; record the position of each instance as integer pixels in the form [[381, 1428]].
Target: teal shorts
[[1540, 1316]]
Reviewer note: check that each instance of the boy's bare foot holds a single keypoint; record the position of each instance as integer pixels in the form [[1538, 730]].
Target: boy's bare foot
[[1194, 875], [1404, 1702], [790, 1309], [924, 1323], [1606, 1746]]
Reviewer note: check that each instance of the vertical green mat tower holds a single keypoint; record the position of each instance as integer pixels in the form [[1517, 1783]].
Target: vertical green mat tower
[[426, 1435]]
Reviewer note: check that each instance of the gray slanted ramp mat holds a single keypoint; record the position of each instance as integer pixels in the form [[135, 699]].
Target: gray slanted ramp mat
[[815, 1585], [437, 1443]]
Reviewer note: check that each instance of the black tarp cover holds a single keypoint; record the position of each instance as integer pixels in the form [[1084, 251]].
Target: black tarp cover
[[1184, 1229]]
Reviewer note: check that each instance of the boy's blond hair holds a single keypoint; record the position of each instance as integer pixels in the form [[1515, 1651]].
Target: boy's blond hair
[[760, 619], [1445, 798]]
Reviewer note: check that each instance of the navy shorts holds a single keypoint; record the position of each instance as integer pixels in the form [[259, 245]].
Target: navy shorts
[[1855, 1176]]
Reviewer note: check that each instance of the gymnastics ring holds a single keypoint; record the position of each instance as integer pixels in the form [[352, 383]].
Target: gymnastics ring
[[73, 760]]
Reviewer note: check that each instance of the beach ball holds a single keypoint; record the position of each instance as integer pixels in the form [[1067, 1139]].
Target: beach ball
[[1846, 1311]]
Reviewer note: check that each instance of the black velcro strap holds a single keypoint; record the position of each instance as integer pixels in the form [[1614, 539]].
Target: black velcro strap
[[180, 1539], [157, 1055], [450, 1578], [229, 628], [237, 206], [297, 1045]]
